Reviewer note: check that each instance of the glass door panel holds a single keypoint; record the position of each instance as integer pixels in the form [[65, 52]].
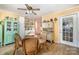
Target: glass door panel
[[67, 29]]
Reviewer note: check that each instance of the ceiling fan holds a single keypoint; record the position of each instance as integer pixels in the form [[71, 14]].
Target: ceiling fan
[[29, 8]]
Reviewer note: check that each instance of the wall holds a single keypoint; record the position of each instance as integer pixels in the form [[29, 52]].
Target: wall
[[57, 15], [4, 13]]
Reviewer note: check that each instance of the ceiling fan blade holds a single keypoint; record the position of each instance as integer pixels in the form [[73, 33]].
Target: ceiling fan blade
[[34, 13], [21, 9], [27, 6], [36, 9]]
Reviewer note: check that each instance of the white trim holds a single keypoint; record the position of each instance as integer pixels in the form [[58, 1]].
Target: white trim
[[75, 31]]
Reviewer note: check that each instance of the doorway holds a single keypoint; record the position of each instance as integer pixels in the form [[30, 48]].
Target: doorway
[[68, 30]]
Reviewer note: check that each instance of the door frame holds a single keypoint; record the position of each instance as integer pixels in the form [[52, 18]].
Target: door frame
[[75, 31]]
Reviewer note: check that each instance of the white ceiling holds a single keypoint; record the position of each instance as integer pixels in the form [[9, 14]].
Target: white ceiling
[[44, 8]]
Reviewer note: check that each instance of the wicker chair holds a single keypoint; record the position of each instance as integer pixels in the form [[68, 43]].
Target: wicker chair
[[30, 46], [18, 42], [42, 41]]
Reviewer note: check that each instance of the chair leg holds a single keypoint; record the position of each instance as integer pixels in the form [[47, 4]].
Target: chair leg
[[14, 51], [24, 51]]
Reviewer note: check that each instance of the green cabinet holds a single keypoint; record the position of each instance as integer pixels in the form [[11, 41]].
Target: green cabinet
[[15, 26], [10, 28], [7, 31], [1, 33]]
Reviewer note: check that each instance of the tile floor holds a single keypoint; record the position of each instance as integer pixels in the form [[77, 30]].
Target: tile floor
[[54, 49]]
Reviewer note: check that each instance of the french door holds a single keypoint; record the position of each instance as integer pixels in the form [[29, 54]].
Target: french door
[[68, 29]]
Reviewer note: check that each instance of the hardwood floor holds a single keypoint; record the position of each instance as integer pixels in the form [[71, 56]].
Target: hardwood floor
[[6, 49], [53, 49], [61, 49]]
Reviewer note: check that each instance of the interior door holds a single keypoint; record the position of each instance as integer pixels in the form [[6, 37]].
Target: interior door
[[68, 30]]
